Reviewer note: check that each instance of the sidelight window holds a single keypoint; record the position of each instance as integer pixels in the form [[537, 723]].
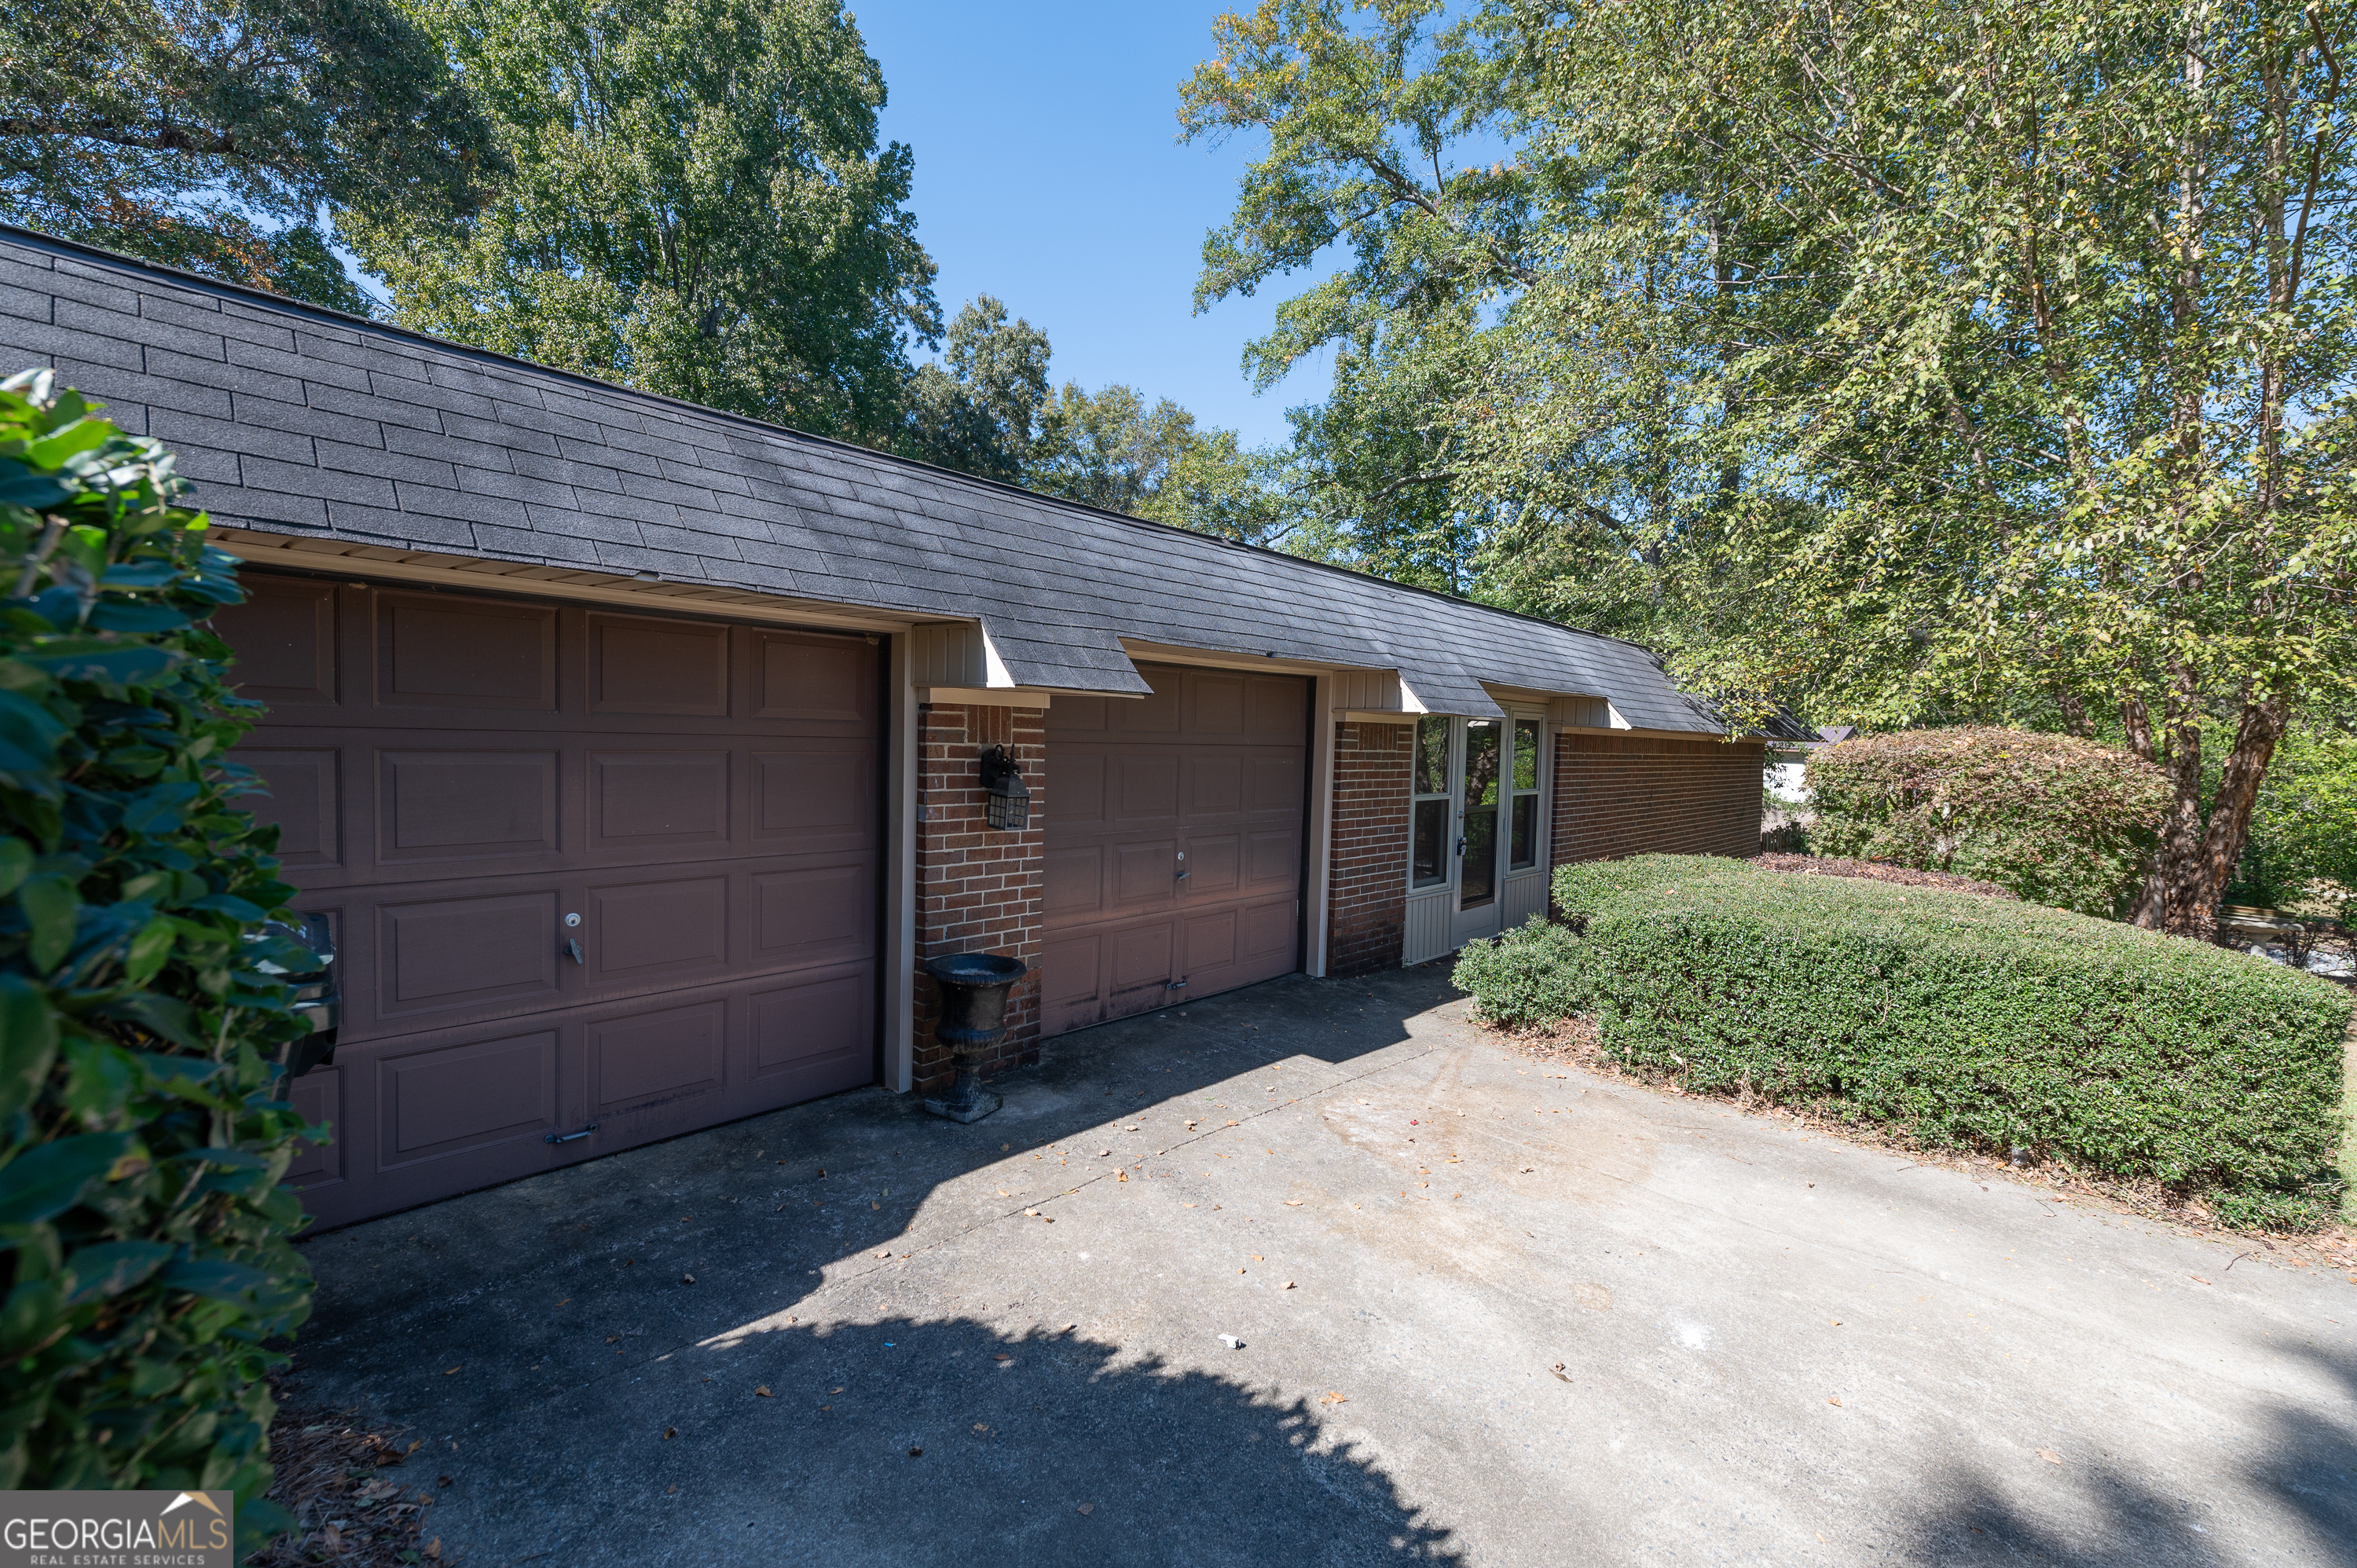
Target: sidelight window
[[1428, 853], [1526, 842]]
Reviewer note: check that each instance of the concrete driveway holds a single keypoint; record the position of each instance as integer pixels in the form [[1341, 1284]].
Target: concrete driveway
[[1487, 1314]]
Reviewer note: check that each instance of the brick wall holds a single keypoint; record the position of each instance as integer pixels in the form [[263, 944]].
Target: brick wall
[[1617, 795], [977, 887], [1367, 885]]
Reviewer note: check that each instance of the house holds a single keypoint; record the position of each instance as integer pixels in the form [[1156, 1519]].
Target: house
[[634, 749]]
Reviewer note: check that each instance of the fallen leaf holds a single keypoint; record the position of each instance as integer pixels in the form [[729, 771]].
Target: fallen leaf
[[1834, 1399], [1032, 1213], [916, 1453], [1231, 1123], [981, 1428], [1190, 1206], [1834, 1321], [1004, 1193], [1292, 1203], [670, 1433], [875, 1206], [2050, 1456], [448, 1373], [687, 1279], [762, 1390], [885, 1253], [1085, 1509], [433, 1549], [2197, 1279], [1557, 1370], [1121, 1176], [1333, 1397], [1286, 1285], [1002, 1355]]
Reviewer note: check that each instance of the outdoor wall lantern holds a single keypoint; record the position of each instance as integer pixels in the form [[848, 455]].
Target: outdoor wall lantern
[[1009, 806]]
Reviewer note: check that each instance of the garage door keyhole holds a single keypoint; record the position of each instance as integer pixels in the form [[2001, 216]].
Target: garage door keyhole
[[573, 946]]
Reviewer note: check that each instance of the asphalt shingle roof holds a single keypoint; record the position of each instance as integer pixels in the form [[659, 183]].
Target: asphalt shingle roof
[[295, 420]]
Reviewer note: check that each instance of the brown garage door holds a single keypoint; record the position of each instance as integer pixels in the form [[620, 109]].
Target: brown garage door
[[589, 871], [1174, 842]]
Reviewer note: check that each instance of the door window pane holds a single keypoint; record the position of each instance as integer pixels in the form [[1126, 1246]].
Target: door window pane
[[1432, 756], [1526, 753], [1431, 843], [1526, 832], [1481, 764], [1476, 878]]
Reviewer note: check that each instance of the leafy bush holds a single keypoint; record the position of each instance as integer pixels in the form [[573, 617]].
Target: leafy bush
[[2059, 820], [145, 1230], [1959, 1019], [1527, 976], [2304, 829]]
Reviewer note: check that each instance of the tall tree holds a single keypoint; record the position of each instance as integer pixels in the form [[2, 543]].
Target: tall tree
[[1911, 362], [977, 409], [699, 207], [207, 135]]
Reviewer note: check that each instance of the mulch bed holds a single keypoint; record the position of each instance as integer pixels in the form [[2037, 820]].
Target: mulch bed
[[1876, 871], [354, 1501]]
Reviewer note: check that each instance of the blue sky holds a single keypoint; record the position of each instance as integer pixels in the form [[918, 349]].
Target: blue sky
[[1050, 174]]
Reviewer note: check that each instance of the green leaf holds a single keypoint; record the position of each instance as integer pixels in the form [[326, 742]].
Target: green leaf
[[151, 950], [44, 1182], [29, 1042], [49, 905], [112, 1267], [163, 1016], [15, 861], [216, 1279]]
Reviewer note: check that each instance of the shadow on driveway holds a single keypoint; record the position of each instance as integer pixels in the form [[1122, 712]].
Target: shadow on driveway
[[581, 1349]]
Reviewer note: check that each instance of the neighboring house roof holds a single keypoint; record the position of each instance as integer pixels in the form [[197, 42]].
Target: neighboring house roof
[[295, 420]]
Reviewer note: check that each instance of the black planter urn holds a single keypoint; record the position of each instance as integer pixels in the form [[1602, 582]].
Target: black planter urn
[[974, 988]]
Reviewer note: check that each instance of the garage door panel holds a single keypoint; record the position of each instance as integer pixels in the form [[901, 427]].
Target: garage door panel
[[657, 1057], [658, 799], [1276, 785], [305, 801], [1144, 872], [1145, 789], [1213, 859], [1276, 712], [1214, 786], [820, 797], [815, 915], [1215, 706], [444, 954], [815, 1038], [436, 651], [316, 1095], [643, 666], [813, 679], [1273, 857], [1071, 881], [705, 797], [285, 635], [637, 930], [459, 805], [1212, 765], [1080, 790], [444, 1100]]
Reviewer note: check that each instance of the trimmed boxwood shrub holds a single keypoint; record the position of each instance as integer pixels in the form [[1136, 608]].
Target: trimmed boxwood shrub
[[2059, 820], [1960, 1019], [144, 1260]]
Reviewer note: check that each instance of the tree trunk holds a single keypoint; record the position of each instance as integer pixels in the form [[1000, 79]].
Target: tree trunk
[[2193, 862]]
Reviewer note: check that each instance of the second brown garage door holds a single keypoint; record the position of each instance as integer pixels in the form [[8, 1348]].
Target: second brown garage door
[[1174, 842], [598, 877]]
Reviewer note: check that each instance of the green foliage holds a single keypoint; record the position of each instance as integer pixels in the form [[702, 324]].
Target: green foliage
[[168, 129], [699, 207], [1529, 975], [2057, 821], [977, 409], [1961, 1019], [2304, 830], [147, 1262]]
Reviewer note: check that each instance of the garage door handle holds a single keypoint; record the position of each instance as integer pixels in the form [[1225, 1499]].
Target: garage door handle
[[1184, 874], [573, 951], [569, 1138]]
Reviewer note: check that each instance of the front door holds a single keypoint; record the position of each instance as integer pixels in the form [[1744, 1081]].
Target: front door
[[1479, 749]]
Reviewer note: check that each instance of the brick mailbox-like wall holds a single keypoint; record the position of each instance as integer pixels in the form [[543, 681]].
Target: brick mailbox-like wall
[[977, 887], [1620, 795], [1367, 901]]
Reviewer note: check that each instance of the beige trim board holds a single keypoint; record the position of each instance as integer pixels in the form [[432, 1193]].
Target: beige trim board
[[381, 563]]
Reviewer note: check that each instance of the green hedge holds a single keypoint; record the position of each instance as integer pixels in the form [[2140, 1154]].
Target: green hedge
[[144, 1261], [2056, 820], [1961, 1019]]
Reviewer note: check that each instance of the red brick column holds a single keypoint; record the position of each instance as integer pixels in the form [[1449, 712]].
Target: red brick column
[[1621, 795], [1367, 884], [977, 887]]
